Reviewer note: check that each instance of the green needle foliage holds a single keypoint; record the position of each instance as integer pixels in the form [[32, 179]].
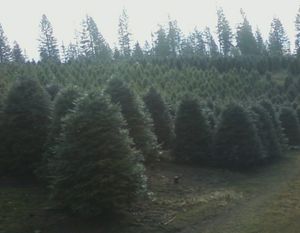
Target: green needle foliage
[[96, 170], [267, 133], [138, 123], [237, 144], [24, 128], [64, 103], [193, 137], [290, 126], [162, 121]]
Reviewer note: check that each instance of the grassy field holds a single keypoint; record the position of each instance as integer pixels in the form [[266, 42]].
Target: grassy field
[[266, 200]]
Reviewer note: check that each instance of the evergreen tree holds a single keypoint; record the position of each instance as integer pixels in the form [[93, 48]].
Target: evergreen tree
[[138, 53], [224, 33], [162, 120], [161, 45], [26, 119], [187, 46], [72, 52], [92, 43], [174, 38], [5, 52], [276, 123], [96, 171], [278, 40], [124, 35], [237, 144], [193, 137], [267, 133], [290, 125], [17, 54], [48, 47], [64, 55], [198, 43], [261, 47], [116, 54], [245, 39], [211, 45], [64, 103], [138, 123], [297, 27]]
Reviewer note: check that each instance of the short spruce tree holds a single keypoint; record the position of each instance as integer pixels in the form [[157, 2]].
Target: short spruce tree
[[266, 133], [162, 121], [24, 128], [290, 125], [237, 144], [96, 170], [64, 103], [138, 123], [193, 138], [277, 124]]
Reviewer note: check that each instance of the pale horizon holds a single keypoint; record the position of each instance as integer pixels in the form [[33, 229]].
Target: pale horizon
[[20, 20]]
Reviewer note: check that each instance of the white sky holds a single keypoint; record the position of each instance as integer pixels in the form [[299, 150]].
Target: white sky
[[20, 18]]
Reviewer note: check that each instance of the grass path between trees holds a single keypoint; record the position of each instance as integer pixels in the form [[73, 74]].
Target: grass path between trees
[[266, 200]]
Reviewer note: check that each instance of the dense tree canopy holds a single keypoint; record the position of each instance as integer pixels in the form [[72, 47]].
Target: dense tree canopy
[[24, 127], [96, 171], [48, 47], [193, 137], [237, 143]]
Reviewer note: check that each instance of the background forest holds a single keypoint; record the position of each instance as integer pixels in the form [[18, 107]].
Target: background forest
[[87, 120]]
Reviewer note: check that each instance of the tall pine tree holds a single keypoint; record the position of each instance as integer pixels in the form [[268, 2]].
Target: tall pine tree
[[48, 47], [224, 33], [5, 52], [124, 35]]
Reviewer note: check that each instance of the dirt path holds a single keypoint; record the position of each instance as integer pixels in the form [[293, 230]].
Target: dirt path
[[269, 204]]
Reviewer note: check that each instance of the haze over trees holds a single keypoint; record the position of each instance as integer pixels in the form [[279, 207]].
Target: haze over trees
[[90, 118]]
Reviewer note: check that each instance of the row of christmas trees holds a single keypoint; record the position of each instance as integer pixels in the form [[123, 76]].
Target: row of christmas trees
[[92, 148]]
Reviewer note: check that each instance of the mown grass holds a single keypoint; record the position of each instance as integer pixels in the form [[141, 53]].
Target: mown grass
[[205, 200]]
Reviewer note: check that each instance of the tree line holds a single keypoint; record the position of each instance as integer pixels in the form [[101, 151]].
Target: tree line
[[167, 42], [91, 148], [88, 126]]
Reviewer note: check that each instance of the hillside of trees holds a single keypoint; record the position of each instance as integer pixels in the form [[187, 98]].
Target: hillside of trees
[[87, 120]]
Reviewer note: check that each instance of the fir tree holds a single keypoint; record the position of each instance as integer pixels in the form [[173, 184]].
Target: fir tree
[[245, 39], [5, 52], [198, 43], [174, 38], [92, 43], [261, 47], [224, 33], [138, 123], [161, 45], [237, 144], [193, 138], [124, 35], [96, 171], [297, 27], [290, 125], [48, 47], [26, 119], [267, 133], [138, 53], [278, 40], [64, 103], [211, 45], [17, 54], [162, 121], [276, 123]]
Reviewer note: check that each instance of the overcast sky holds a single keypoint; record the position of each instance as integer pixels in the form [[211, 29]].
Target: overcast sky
[[20, 18]]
